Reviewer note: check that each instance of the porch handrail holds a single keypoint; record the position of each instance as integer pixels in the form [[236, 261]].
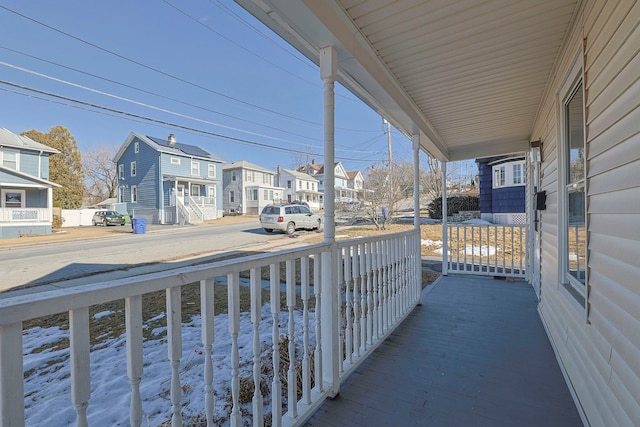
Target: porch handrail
[[487, 249], [182, 212], [377, 273]]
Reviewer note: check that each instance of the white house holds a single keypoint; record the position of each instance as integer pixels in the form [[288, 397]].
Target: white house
[[347, 184], [301, 187], [247, 188]]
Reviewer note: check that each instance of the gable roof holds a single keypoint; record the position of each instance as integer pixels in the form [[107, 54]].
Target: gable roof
[[162, 145], [243, 164], [28, 178], [10, 139], [299, 175]]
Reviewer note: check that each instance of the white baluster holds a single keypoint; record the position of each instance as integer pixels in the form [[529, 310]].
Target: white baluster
[[133, 324], [256, 317], [233, 304], [317, 288], [207, 312], [370, 301], [348, 305], [276, 386], [363, 296], [375, 257], [304, 293], [292, 380], [80, 370], [11, 376], [174, 338], [386, 275], [356, 306]]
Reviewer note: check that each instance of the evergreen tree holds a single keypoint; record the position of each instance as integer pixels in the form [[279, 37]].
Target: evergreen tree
[[65, 168]]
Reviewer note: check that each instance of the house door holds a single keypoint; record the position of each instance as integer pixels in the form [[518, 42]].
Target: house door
[[533, 164], [180, 193]]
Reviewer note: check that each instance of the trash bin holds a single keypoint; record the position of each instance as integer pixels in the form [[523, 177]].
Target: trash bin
[[139, 225]]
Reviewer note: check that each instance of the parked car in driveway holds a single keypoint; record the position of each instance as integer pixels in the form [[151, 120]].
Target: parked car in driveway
[[289, 218], [108, 218]]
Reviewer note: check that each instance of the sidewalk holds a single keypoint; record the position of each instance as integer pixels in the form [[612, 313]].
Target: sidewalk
[[67, 234]]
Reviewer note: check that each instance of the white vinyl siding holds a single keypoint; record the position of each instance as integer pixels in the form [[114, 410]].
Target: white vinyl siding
[[599, 347]]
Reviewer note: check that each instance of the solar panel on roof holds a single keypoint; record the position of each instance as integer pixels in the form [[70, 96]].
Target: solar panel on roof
[[191, 150]]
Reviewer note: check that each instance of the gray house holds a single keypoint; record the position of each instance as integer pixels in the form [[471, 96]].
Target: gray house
[[27, 193], [248, 188], [168, 182]]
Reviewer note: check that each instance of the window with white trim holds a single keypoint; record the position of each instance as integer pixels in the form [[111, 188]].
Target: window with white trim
[[120, 194], [266, 194], [195, 168], [211, 170], [121, 171], [232, 196], [10, 158], [13, 198], [252, 194], [136, 147], [134, 194], [509, 174], [134, 169], [250, 176], [175, 160], [234, 177]]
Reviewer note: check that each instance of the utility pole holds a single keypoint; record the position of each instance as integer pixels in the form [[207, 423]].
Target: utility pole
[[389, 145]]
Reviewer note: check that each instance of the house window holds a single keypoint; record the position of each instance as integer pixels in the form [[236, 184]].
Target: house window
[[270, 194], [517, 173], [195, 190], [211, 170], [136, 147], [121, 171], [175, 160], [252, 194], [573, 208], [195, 168], [498, 176], [133, 169], [307, 185], [266, 178], [10, 158], [120, 194], [134, 194], [299, 185], [250, 176], [266, 195], [211, 192], [232, 196], [289, 184], [234, 177], [13, 198]]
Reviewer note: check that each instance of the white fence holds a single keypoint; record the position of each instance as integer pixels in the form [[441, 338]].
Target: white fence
[[493, 250], [337, 302]]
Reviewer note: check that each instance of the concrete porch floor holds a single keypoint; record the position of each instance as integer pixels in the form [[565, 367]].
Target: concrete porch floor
[[474, 354]]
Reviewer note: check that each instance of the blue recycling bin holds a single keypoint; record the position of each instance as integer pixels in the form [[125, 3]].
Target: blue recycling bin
[[139, 225]]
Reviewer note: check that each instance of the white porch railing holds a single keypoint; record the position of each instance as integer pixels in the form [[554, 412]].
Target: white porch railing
[[493, 250], [25, 215], [375, 286], [183, 216], [193, 204]]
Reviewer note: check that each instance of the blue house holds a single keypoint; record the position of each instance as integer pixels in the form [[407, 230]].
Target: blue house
[[502, 184], [168, 182], [27, 193]]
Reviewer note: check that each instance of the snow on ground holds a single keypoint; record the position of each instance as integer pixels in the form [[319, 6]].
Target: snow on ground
[[469, 250], [477, 221], [48, 385]]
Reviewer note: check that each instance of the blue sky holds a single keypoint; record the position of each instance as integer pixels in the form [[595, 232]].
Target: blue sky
[[203, 64]]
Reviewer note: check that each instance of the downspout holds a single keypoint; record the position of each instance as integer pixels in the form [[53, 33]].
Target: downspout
[[329, 291]]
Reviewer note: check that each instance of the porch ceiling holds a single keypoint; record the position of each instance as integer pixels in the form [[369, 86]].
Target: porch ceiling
[[468, 75]]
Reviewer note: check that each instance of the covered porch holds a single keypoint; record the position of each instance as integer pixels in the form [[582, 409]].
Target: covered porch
[[474, 353]]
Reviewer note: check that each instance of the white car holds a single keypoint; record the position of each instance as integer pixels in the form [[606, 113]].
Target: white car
[[289, 218]]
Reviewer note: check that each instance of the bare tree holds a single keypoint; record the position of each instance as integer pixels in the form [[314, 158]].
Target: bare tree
[[101, 177], [384, 189], [431, 179]]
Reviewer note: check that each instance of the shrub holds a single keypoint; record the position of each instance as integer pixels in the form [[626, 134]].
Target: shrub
[[455, 204]]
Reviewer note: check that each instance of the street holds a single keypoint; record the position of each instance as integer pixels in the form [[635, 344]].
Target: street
[[57, 265]]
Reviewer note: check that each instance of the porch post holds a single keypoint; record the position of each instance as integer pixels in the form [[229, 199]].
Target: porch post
[[416, 212], [175, 200], [329, 292], [445, 230], [50, 204]]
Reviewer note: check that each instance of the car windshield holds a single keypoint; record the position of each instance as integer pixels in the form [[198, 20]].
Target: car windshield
[[111, 213], [271, 210]]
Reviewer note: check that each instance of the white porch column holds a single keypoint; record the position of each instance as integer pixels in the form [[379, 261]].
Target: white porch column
[[175, 200], [445, 237], [330, 302], [416, 211], [50, 204]]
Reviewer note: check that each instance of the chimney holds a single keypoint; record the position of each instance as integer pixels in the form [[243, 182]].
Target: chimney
[[172, 140], [313, 161]]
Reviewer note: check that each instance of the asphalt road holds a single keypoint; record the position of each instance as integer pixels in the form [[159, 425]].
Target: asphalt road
[[55, 265]]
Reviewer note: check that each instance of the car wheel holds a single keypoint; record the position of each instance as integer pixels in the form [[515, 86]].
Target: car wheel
[[291, 228], [94, 223], [104, 222], [268, 230]]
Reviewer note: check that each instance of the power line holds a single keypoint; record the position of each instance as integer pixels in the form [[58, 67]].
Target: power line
[[171, 124]]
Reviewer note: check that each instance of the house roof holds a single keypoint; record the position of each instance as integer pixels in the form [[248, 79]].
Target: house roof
[[467, 77], [28, 178], [243, 164], [299, 175], [163, 145], [10, 139]]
